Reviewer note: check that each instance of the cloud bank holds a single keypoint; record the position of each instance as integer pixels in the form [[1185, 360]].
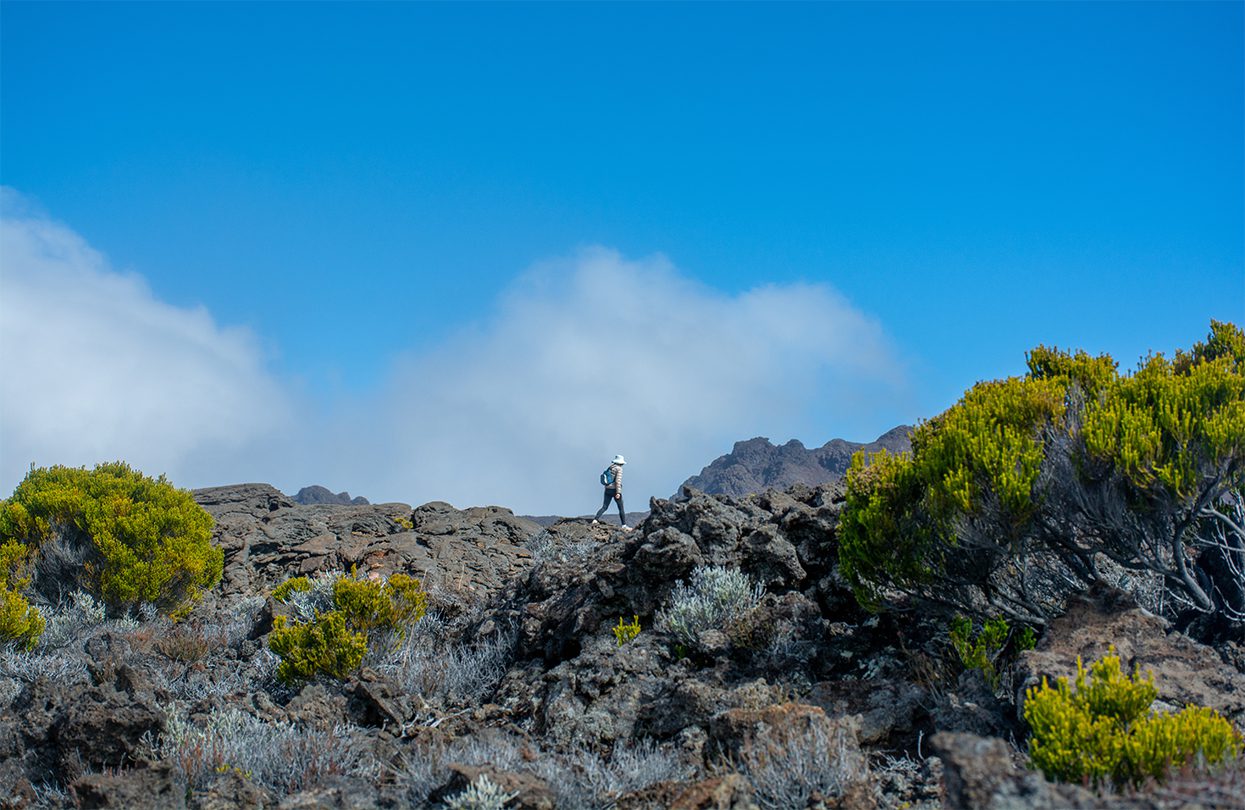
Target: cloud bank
[[96, 368], [579, 359], [598, 355]]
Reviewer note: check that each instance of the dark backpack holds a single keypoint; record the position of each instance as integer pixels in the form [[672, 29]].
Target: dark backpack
[[607, 477]]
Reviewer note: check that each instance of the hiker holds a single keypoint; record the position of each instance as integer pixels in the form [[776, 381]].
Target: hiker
[[612, 480]]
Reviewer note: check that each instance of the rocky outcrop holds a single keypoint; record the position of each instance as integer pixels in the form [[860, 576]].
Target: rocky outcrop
[[152, 787], [756, 465], [268, 538], [982, 773], [589, 576], [316, 494]]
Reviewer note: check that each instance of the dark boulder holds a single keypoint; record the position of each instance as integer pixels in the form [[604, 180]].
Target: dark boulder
[[155, 787]]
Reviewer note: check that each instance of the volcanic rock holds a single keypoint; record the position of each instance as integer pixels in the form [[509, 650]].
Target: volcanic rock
[[308, 496], [756, 465]]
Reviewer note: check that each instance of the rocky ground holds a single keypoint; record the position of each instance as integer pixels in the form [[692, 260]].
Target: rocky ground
[[516, 678]]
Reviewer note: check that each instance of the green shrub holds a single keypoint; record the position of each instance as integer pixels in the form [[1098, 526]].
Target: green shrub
[[20, 623], [1105, 731], [142, 540], [979, 651], [365, 612], [1014, 496], [626, 631], [326, 646], [388, 606], [295, 585], [982, 650]]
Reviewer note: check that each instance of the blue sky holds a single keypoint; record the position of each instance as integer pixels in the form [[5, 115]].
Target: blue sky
[[424, 244]]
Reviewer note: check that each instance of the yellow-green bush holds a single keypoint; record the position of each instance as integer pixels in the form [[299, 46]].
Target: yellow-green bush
[[20, 623], [625, 631], [364, 612], [1104, 730], [983, 649], [296, 584], [325, 646], [900, 519], [1012, 497], [144, 540], [386, 606]]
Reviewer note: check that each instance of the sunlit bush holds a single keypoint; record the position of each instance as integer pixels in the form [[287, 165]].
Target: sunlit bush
[[140, 539], [291, 586], [388, 606], [1011, 498], [20, 624], [326, 646], [1104, 730], [364, 613]]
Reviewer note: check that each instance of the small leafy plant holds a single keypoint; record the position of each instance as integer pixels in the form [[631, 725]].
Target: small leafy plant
[[291, 586], [365, 612], [482, 794], [1104, 730], [983, 650], [715, 599], [625, 631], [20, 624]]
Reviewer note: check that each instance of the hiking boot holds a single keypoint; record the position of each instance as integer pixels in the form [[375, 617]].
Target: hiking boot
[[595, 521], [626, 528]]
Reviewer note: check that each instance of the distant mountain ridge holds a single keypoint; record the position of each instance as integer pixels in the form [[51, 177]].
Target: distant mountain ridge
[[757, 464], [316, 494]]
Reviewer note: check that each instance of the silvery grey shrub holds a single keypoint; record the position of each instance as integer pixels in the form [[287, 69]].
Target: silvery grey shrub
[[713, 599], [305, 604], [786, 769], [482, 794], [282, 756], [430, 663], [580, 779]]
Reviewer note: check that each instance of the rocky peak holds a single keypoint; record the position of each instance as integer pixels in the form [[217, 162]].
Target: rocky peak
[[317, 494], [756, 464]]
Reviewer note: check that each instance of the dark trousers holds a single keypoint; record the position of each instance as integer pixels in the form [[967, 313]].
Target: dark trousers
[[605, 504]]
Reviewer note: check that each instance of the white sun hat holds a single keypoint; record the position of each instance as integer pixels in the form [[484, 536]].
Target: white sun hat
[[618, 459]]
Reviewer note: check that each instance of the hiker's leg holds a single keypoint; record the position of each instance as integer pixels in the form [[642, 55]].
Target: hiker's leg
[[622, 515], [605, 503]]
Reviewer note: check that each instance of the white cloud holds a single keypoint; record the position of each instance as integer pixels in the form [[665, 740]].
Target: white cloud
[[598, 355], [95, 368], [580, 359]]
